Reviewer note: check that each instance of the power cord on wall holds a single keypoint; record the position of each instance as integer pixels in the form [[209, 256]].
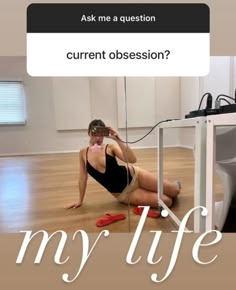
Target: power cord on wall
[[206, 94], [222, 97], [138, 140]]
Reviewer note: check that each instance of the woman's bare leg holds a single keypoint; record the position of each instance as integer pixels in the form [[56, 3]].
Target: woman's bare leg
[[148, 181], [143, 197]]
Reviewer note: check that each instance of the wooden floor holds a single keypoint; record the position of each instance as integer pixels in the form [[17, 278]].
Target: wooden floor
[[34, 190]]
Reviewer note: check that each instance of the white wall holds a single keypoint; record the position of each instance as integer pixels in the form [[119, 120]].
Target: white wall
[[71, 97], [40, 134], [136, 100], [220, 80], [104, 99], [189, 101]]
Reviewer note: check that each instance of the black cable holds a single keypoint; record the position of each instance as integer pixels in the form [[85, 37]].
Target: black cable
[[223, 99], [132, 142], [202, 100], [222, 95]]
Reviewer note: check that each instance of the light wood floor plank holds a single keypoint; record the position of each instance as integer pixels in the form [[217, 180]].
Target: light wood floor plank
[[34, 190]]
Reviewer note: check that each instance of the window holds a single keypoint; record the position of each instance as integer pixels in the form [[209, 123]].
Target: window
[[12, 103]]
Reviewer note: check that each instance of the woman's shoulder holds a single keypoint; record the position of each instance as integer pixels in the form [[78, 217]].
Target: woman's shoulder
[[111, 148], [83, 151], [111, 145]]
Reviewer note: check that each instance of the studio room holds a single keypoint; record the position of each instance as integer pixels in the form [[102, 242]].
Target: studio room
[[42, 138]]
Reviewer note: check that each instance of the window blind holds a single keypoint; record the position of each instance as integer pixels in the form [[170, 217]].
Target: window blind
[[12, 103]]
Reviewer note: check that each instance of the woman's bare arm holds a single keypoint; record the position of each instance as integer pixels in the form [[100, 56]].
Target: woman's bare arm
[[122, 150], [82, 183]]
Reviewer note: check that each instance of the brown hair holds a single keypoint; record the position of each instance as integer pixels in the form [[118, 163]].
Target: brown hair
[[96, 122]]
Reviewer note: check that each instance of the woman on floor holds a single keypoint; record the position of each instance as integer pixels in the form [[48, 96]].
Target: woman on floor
[[128, 184]]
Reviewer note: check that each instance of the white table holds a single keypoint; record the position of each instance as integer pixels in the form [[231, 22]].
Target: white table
[[199, 124]]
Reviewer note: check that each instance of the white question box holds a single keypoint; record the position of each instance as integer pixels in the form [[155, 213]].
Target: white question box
[[118, 39]]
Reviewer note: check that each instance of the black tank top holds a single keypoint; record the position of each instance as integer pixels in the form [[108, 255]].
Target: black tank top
[[114, 179]]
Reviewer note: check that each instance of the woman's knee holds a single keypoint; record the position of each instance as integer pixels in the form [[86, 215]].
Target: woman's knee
[[167, 200], [171, 190]]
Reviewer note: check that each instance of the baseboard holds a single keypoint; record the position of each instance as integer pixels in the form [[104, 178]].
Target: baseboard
[[186, 147], [38, 153], [77, 151]]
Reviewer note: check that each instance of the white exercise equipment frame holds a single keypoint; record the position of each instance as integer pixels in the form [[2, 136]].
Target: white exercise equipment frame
[[199, 124]]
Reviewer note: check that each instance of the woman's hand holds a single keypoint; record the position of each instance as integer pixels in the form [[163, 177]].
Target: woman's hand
[[113, 134], [74, 204]]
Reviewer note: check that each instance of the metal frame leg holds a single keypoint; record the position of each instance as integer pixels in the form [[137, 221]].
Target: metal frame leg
[[210, 170], [200, 175]]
